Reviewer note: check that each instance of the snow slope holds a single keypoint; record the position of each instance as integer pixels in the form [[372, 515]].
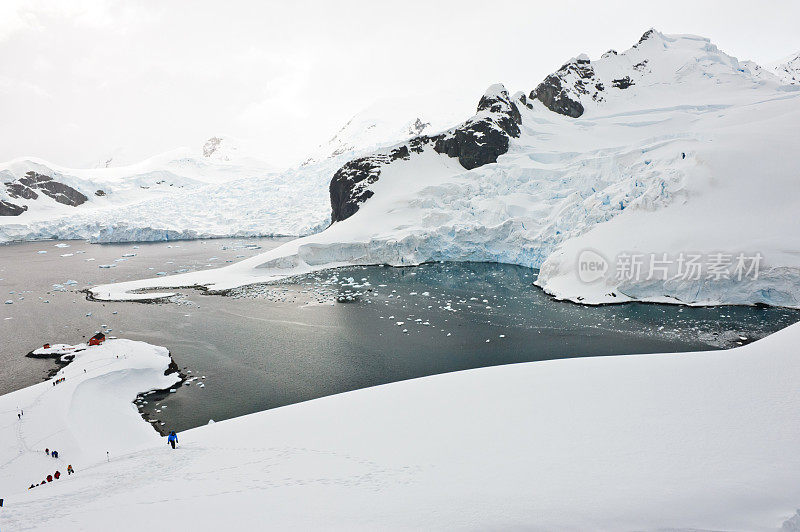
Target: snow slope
[[695, 441], [696, 153], [89, 413]]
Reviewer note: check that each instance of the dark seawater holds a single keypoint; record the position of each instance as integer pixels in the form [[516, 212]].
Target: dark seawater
[[330, 332]]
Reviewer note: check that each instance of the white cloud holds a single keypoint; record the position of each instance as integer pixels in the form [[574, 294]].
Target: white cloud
[[143, 77]]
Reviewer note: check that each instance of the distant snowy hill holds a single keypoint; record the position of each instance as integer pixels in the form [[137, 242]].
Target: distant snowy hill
[[176, 194], [670, 146], [788, 70]]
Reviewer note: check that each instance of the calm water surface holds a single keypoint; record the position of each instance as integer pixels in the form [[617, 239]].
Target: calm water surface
[[270, 346]]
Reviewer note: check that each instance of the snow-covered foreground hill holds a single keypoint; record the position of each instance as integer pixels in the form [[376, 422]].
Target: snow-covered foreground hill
[[672, 147], [694, 441], [88, 413]]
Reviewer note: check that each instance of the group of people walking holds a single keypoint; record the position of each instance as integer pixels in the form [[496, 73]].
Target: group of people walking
[[51, 478], [172, 439], [57, 381], [54, 476]]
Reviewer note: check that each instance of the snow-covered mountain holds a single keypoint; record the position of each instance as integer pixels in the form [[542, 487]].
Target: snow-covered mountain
[[217, 190], [388, 121], [670, 146]]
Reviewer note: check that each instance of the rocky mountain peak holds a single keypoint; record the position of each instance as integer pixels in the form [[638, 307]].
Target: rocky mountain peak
[[672, 66]]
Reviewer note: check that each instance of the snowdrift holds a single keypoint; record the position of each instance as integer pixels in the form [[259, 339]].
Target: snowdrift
[[694, 441]]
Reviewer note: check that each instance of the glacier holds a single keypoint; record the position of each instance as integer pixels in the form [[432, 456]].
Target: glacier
[[697, 153]]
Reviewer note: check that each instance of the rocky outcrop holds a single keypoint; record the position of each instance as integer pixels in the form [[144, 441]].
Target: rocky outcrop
[[349, 187], [576, 83], [561, 91], [32, 183], [417, 127], [484, 137], [211, 146], [10, 209], [622, 83], [478, 141]]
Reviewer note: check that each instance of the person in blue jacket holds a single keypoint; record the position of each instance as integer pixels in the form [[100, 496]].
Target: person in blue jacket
[[172, 439]]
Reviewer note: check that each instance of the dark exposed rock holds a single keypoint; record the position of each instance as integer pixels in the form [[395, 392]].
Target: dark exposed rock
[[484, 137], [25, 187], [478, 141], [560, 92], [474, 146], [349, 187], [551, 92], [646, 35], [10, 209], [622, 83], [418, 127], [18, 190], [99, 192]]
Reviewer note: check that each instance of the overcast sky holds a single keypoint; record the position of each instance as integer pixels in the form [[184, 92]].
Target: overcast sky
[[84, 80]]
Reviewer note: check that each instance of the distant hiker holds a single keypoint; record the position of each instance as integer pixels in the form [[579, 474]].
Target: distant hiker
[[70, 470], [31, 487], [54, 454], [49, 478], [47, 452], [57, 475], [172, 439], [19, 416]]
